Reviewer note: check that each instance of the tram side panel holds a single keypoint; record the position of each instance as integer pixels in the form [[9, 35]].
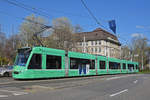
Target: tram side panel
[[81, 64], [124, 68], [114, 66], [101, 65], [131, 67], [53, 64]]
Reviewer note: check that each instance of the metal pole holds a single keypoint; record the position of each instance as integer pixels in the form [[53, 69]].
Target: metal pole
[[142, 62], [120, 52], [149, 62], [108, 52], [13, 36], [108, 49], [107, 56], [130, 55], [84, 43]]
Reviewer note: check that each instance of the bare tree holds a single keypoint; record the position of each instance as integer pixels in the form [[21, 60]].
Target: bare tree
[[62, 36], [125, 52], [139, 47], [29, 27]]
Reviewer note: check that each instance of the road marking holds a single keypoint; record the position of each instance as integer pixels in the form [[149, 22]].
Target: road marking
[[117, 77], [145, 77], [118, 93], [35, 81], [19, 93], [15, 92], [112, 78], [1, 96], [135, 81], [51, 80]]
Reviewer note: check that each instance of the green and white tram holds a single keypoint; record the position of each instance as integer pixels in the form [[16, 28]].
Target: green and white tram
[[42, 62]]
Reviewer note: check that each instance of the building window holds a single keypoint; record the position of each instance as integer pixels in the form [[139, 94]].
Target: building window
[[102, 64], [99, 42], [86, 43], [96, 42], [53, 62], [91, 42], [99, 49], [95, 49], [36, 62], [80, 43], [91, 49]]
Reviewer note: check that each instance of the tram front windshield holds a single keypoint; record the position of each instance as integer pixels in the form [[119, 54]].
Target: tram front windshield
[[22, 57]]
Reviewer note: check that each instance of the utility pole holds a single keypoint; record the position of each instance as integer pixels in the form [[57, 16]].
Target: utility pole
[[107, 56], [142, 62], [84, 45], [130, 55], [13, 36], [120, 52], [0, 28], [149, 62]]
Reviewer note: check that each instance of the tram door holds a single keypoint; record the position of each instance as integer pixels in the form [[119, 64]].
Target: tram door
[[82, 69]]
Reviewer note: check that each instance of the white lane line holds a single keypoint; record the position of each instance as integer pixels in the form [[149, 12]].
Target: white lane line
[[15, 92], [145, 77], [135, 81], [19, 93], [118, 93], [118, 77], [2, 96], [112, 78]]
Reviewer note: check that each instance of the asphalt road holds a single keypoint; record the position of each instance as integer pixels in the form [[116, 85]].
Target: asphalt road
[[114, 87]]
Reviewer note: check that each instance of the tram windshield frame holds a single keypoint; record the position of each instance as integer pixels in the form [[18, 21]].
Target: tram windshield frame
[[22, 56]]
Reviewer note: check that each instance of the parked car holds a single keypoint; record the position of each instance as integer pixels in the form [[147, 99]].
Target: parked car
[[6, 71]]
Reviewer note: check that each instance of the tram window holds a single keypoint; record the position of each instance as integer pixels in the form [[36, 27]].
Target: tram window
[[92, 64], [118, 64], [53, 62], [130, 66], [133, 67], [136, 66], [114, 65], [76, 62], [102, 64], [124, 66], [36, 62]]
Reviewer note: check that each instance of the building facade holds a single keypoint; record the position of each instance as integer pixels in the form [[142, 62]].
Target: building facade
[[99, 42]]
